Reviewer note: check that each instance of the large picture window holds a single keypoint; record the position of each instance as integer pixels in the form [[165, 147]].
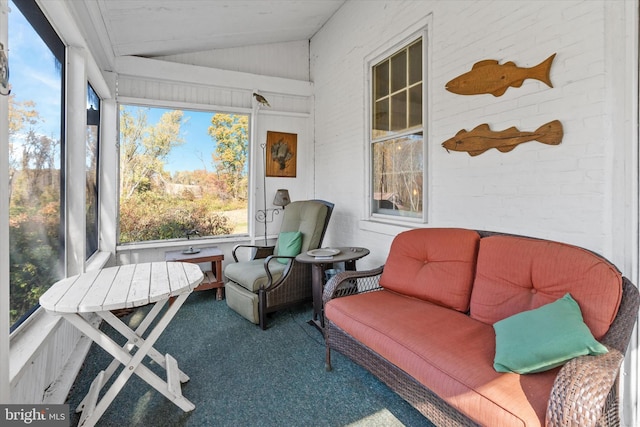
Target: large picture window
[[183, 173], [36, 149], [397, 133]]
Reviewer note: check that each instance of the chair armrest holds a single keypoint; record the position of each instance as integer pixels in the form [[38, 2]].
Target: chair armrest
[[586, 388], [290, 264], [260, 251], [351, 283], [619, 333], [580, 390]]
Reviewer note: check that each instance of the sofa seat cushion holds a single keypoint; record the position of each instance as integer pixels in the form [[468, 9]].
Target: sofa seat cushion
[[433, 264], [516, 274], [446, 351], [251, 275]]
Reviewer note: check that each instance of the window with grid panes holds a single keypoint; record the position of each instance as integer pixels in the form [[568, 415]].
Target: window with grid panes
[[397, 144]]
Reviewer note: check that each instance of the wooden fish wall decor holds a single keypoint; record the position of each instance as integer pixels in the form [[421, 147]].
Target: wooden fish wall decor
[[490, 77], [482, 138]]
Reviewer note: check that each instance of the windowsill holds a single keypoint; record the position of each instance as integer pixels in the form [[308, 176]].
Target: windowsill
[[180, 243], [390, 228], [98, 260]]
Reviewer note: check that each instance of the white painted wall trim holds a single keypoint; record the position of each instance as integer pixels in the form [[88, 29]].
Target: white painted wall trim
[[621, 216], [58, 14], [75, 156], [108, 189], [184, 105], [211, 77], [207, 107]]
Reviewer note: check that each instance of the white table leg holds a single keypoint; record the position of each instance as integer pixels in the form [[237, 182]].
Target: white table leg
[[132, 363], [134, 339]]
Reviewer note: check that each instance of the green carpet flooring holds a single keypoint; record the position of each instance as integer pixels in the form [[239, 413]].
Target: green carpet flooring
[[243, 376]]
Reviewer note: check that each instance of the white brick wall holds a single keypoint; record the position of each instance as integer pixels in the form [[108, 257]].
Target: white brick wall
[[561, 192], [583, 191]]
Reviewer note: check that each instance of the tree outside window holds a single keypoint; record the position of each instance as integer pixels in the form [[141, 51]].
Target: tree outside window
[[397, 153], [183, 173]]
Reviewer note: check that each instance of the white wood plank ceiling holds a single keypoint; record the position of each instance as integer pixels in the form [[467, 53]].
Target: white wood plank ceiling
[[163, 27]]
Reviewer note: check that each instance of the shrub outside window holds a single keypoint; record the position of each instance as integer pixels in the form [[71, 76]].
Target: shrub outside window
[[183, 173], [397, 142]]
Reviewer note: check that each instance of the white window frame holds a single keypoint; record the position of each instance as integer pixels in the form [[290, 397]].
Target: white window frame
[[378, 222], [177, 105]]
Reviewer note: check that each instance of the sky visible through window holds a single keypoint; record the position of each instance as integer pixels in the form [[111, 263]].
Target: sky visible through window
[[195, 153], [33, 72]]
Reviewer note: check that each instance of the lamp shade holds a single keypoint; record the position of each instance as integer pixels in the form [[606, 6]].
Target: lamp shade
[[282, 198]]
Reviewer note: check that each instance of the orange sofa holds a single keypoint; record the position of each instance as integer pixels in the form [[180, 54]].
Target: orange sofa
[[450, 322]]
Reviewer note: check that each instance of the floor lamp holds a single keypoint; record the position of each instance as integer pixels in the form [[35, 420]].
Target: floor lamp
[[266, 216], [281, 199]]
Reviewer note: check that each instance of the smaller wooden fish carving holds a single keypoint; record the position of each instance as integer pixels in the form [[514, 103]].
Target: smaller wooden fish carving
[[490, 77], [482, 138]]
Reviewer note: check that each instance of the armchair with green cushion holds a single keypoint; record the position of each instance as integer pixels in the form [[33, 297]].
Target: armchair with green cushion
[[272, 279]]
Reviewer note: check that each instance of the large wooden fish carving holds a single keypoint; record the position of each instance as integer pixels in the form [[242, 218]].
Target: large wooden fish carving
[[490, 77], [482, 138]]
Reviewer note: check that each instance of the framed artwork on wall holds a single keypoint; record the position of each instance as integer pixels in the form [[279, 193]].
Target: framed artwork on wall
[[281, 152]]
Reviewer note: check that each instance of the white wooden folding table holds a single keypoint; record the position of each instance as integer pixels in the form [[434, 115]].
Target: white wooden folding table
[[121, 287]]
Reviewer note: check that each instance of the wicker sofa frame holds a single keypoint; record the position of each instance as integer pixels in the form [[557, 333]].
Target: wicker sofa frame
[[585, 392]]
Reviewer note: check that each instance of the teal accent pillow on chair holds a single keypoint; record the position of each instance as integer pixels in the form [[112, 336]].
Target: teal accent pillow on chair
[[289, 244], [541, 339]]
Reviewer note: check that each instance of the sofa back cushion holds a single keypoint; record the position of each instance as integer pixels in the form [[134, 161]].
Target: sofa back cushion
[[515, 274], [433, 264]]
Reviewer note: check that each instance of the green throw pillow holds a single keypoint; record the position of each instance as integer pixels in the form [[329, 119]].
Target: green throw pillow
[[289, 244], [541, 339]]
